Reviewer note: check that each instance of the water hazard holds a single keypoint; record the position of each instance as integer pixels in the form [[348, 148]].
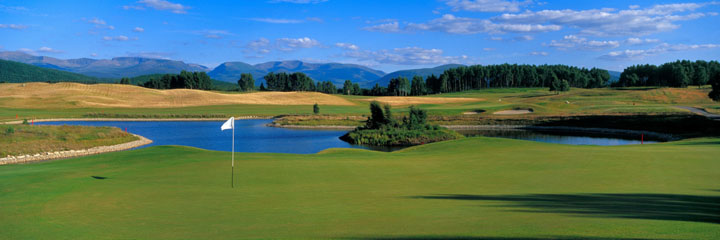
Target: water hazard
[[254, 136]]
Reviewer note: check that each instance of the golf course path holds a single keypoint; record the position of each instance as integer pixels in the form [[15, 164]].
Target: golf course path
[[712, 116]]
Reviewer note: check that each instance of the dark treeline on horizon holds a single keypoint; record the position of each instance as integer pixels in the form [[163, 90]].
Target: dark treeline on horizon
[[189, 80], [492, 76], [681, 73], [452, 80]]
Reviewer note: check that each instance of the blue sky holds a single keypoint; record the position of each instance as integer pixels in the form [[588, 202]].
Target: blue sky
[[386, 35]]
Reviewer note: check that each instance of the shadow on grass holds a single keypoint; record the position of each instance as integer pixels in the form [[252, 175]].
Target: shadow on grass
[[703, 142], [490, 238], [673, 207], [99, 177]]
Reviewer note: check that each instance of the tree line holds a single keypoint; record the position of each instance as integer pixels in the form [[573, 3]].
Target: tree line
[[681, 73], [555, 77], [189, 80]]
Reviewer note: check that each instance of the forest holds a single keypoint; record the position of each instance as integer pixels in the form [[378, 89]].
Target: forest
[[189, 80], [681, 73]]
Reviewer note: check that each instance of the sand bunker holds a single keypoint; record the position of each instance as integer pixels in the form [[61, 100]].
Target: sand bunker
[[400, 101], [76, 95], [513, 112]]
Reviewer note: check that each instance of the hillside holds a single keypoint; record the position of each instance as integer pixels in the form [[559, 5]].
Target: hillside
[[15, 72], [105, 68], [334, 72], [75, 95], [423, 72]]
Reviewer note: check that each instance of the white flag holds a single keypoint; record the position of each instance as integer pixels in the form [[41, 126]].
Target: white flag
[[229, 124]]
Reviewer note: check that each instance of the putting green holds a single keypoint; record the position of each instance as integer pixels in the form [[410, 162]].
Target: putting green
[[474, 187]]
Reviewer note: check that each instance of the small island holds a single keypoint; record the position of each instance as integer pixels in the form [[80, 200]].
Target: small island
[[381, 129]]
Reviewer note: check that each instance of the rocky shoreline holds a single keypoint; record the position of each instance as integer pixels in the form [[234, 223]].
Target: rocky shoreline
[[137, 119], [28, 158]]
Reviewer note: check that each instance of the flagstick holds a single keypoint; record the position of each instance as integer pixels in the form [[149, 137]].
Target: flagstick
[[232, 168]]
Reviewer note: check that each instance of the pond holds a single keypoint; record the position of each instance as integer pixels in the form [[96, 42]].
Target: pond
[[253, 135], [564, 137]]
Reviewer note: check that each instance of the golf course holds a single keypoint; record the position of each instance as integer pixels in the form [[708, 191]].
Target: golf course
[[473, 188], [347, 119]]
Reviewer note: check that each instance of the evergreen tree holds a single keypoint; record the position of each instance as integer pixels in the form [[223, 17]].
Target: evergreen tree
[[347, 88], [246, 82], [316, 108], [417, 87]]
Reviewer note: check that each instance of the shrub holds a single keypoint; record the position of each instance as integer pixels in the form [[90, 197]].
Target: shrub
[[25, 121], [10, 130], [316, 108]]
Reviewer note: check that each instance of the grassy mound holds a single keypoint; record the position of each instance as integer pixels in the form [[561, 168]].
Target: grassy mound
[[26, 139]]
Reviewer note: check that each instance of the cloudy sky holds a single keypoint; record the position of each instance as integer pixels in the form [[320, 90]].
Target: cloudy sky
[[387, 35]]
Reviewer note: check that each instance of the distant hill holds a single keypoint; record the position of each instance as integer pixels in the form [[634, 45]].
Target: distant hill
[[16, 72], [334, 72], [105, 68], [423, 72], [614, 76]]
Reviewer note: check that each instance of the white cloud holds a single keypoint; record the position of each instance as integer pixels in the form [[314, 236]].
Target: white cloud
[[611, 22], [93, 54], [539, 53], [486, 5], [161, 5], [347, 46], [258, 47], [40, 50], [636, 54], [276, 20], [291, 44], [160, 55], [314, 19], [639, 41], [404, 56], [460, 25], [385, 27], [120, 38], [578, 43], [48, 50], [513, 39], [96, 21], [99, 23], [138, 29], [13, 26], [489, 49]]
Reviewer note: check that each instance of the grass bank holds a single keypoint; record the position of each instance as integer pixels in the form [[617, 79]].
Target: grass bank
[[462, 189], [27, 139]]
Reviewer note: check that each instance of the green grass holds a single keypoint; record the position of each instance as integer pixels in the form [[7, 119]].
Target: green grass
[[473, 187], [26, 139]]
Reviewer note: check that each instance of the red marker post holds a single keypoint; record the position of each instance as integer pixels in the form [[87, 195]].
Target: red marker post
[[642, 138]]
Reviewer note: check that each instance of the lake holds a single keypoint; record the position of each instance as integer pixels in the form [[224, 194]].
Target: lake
[[252, 135]]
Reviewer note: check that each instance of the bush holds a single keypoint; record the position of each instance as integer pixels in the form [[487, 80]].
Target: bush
[[316, 108], [25, 121], [10, 130]]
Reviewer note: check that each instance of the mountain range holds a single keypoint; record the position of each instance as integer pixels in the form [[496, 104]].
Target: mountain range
[[119, 67]]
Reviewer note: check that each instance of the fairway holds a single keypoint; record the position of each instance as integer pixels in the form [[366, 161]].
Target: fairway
[[474, 187]]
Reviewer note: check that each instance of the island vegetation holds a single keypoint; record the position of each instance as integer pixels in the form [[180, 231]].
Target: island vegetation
[[381, 129]]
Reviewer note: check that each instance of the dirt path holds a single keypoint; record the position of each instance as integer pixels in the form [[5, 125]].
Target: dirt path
[[699, 111]]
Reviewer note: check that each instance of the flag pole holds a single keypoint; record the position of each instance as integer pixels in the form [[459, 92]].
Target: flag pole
[[232, 164]]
